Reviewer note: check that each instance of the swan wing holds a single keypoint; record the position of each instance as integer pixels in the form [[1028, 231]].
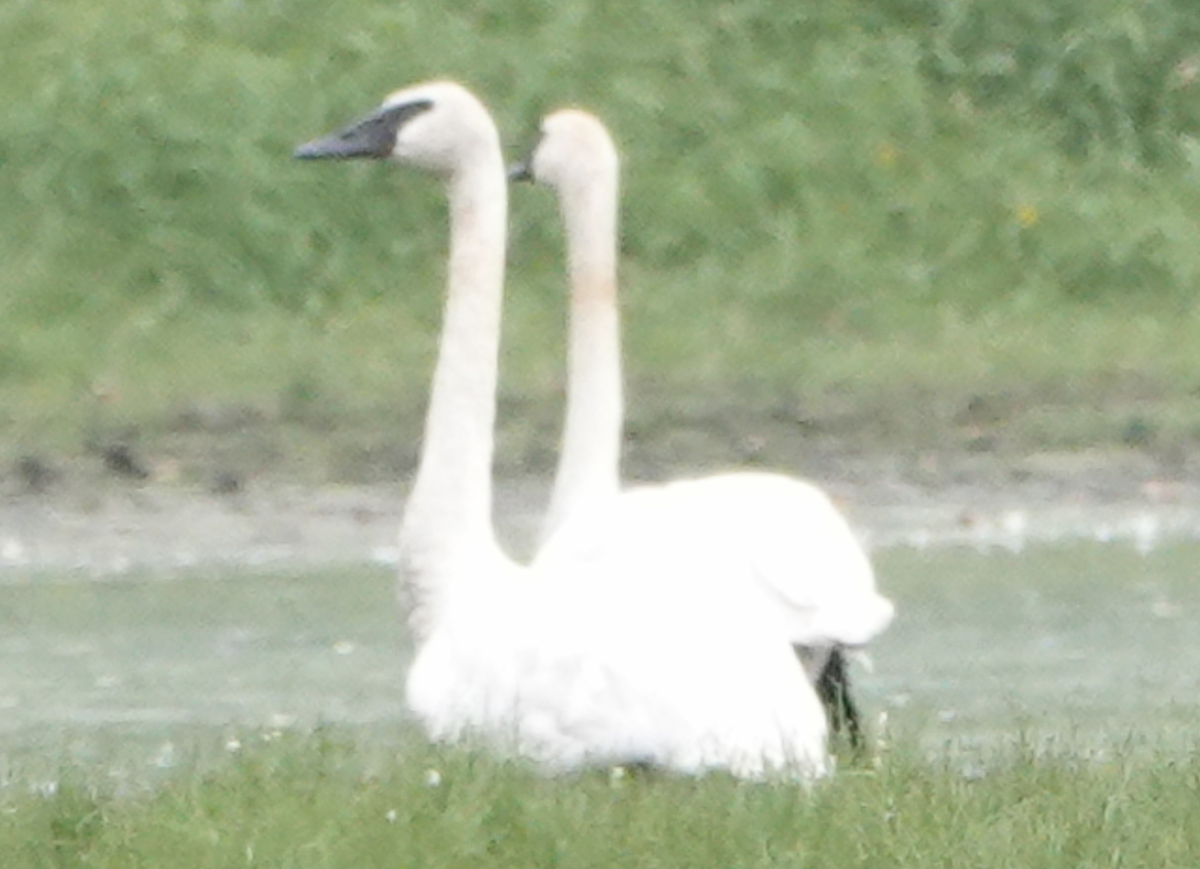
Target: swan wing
[[766, 537]]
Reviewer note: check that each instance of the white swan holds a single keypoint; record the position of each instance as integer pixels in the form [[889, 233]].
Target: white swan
[[577, 662], [769, 536]]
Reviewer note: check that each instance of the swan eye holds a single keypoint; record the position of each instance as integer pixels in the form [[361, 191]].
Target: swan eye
[[373, 136]]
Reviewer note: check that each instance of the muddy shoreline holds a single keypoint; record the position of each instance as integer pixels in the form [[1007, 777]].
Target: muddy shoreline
[[107, 524]]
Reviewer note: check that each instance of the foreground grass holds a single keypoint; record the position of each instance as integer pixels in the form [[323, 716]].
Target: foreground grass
[[869, 220], [313, 801]]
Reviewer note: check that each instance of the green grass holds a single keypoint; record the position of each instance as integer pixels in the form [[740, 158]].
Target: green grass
[[316, 801], [888, 205]]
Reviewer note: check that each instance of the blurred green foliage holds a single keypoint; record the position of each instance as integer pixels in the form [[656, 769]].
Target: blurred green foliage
[[800, 177]]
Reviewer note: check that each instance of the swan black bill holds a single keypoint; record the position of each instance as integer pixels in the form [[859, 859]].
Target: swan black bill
[[373, 137], [522, 171]]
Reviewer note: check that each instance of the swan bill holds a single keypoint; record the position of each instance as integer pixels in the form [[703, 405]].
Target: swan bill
[[373, 137], [522, 171]]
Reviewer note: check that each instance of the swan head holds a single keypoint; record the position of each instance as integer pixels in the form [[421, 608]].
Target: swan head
[[436, 126], [574, 145]]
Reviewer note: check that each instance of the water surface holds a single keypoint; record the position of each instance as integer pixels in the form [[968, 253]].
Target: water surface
[[1087, 642]]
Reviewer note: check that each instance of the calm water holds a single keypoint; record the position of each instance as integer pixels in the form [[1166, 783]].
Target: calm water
[[1093, 642], [1089, 641]]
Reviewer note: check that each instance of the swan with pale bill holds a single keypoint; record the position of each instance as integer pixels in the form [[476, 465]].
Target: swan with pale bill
[[776, 540]]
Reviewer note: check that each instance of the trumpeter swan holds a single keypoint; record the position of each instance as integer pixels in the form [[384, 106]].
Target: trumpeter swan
[[579, 662], [769, 536]]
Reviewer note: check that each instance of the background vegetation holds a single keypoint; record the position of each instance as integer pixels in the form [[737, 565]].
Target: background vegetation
[[929, 223]]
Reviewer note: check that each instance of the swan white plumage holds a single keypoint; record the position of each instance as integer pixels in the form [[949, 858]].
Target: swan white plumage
[[584, 661], [772, 537]]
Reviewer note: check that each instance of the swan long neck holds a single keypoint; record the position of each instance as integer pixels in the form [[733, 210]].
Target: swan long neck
[[447, 521], [589, 461]]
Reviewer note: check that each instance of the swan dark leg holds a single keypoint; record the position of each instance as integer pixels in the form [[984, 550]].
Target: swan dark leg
[[833, 687]]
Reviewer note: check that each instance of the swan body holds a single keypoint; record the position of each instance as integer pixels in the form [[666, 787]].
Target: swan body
[[777, 542], [579, 670], [577, 661], [777, 539]]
